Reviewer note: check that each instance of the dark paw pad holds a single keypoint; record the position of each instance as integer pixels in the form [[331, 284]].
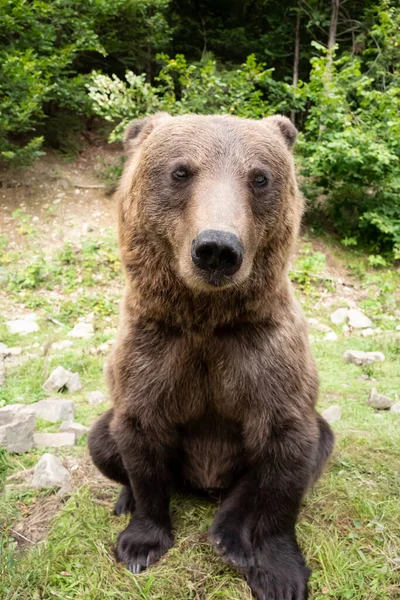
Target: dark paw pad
[[142, 543], [125, 503], [229, 542]]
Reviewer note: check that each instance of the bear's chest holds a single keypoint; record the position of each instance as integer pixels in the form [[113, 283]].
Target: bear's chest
[[184, 378]]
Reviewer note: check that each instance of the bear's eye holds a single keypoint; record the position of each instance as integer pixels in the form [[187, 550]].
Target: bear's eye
[[260, 180], [180, 173]]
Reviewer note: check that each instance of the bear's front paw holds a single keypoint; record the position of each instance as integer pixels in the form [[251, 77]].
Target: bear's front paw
[[142, 543], [231, 543], [279, 571]]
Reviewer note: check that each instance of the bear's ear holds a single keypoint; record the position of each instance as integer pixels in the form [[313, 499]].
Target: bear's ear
[[139, 130], [285, 127]]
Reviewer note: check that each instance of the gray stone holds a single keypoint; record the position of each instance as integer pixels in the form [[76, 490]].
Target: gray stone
[[360, 358], [74, 383], [315, 324], [55, 409], [54, 440], [81, 330], [61, 345], [379, 401], [50, 472], [332, 414], [331, 337], [17, 422], [358, 320], [3, 349], [76, 428], [96, 398], [339, 316], [396, 408], [16, 351], [26, 324], [57, 380]]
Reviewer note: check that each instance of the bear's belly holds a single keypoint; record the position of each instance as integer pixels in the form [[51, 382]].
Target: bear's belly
[[213, 455]]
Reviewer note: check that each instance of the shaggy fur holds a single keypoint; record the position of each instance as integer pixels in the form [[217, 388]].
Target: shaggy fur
[[213, 383]]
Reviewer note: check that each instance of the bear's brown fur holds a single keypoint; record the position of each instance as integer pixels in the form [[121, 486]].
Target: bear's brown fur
[[212, 379]]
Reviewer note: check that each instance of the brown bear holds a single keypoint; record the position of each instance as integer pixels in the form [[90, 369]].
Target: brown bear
[[212, 379]]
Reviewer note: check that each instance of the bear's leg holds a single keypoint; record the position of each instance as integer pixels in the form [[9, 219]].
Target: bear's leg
[[255, 528], [106, 457], [325, 447], [146, 455]]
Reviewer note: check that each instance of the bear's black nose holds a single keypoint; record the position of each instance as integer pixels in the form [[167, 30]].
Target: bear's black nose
[[218, 251]]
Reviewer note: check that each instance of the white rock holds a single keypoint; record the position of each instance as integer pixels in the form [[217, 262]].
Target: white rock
[[332, 414], [50, 472], [74, 383], [379, 401], [24, 325], [3, 349], [331, 337], [76, 428], [54, 440], [15, 351], [81, 330], [315, 324], [360, 358], [339, 316], [55, 409], [369, 332], [396, 408], [96, 398], [62, 345], [358, 320], [60, 378], [57, 379], [17, 422]]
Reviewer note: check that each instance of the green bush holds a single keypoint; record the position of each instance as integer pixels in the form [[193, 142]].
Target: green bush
[[48, 49], [203, 88], [350, 152]]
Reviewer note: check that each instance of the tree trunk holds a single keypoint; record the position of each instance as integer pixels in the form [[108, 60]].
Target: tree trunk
[[296, 61], [332, 32]]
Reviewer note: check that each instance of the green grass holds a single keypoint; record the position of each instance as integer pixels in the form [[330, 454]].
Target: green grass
[[349, 527]]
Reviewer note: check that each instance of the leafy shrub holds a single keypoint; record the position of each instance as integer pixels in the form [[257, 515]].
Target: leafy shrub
[[48, 49], [351, 152], [203, 88]]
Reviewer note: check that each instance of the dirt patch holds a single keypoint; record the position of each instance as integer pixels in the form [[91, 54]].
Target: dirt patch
[[36, 520], [58, 199]]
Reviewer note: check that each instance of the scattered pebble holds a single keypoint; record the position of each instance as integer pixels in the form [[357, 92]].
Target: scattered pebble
[[396, 408], [54, 440], [50, 472], [332, 414], [76, 428], [339, 316], [82, 330], [17, 422], [55, 409], [96, 398], [24, 325], [62, 345], [358, 320], [360, 358], [379, 401], [331, 337], [62, 378]]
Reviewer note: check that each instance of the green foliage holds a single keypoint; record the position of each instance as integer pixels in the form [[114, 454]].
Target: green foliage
[[47, 50], [309, 267], [203, 88], [351, 151]]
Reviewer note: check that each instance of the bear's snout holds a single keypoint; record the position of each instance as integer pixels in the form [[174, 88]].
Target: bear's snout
[[218, 252]]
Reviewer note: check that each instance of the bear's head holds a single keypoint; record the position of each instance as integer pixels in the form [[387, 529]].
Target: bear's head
[[211, 201]]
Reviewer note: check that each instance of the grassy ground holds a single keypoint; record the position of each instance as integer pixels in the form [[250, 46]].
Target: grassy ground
[[61, 547]]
